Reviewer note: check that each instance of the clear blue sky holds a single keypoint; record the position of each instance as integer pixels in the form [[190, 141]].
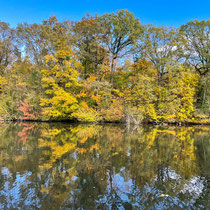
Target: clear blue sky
[[159, 12]]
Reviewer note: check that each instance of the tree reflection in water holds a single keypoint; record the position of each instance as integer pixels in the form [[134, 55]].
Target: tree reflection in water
[[106, 167]]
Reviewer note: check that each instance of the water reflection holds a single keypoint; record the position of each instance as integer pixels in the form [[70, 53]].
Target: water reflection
[[62, 166]]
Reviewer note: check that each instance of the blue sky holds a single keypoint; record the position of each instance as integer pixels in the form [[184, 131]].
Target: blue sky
[[162, 12]]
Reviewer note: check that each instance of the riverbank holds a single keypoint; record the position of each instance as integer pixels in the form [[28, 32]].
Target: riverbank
[[177, 123]]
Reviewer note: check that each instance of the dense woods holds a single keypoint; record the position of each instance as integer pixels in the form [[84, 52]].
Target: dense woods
[[108, 68]]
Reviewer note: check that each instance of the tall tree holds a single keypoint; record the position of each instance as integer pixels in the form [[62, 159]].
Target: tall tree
[[123, 30], [88, 34], [195, 44], [8, 49], [60, 83], [194, 47], [39, 40], [158, 46]]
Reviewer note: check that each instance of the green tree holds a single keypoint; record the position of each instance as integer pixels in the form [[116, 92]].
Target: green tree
[[39, 40], [21, 82], [8, 47], [158, 46], [123, 30], [194, 44], [88, 34]]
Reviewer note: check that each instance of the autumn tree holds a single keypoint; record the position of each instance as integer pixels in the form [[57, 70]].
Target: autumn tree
[[21, 82], [104, 68], [39, 40], [123, 30], [145, 99], [60, 82], [158, 46], [194, 44], [194, 49], [8, 48], [88, 34], [176, 97]]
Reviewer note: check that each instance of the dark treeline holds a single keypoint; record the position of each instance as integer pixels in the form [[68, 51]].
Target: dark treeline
[[105, 68]]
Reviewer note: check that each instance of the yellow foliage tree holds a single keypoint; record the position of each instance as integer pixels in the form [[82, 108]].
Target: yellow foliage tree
[[177, 94], [60, 81]]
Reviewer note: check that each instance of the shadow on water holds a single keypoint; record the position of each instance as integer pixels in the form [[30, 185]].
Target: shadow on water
[[61, 166]]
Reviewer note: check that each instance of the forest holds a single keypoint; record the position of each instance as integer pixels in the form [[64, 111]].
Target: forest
[[108, 68]]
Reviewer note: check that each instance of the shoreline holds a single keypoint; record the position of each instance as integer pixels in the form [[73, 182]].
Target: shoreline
[[186, 123]]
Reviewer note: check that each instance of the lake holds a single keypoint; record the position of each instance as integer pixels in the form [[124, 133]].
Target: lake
[[64, 166]]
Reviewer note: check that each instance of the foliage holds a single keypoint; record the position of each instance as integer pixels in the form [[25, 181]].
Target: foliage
[[27, 115], [105, 68], [123, 30], [194, 44], [158, 45], [88, 34], [8, 48], [59, 80]]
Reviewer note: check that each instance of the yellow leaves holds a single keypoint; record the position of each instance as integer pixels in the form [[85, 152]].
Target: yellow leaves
[[44, 101], [175, 156], [84, 104], [86, 113], [115, 112], [86, 131], [54, 132], [64, 52], [18, 158], [61, 96], [45, 72], [92, 78], [2, 82], [50, 58], [49, 113], [56, 151], [47, 81], [150, 111], [142, 65], [177, 95], [68, 85], [171, 117], [150, 138], [167, 132], [94, 147], [82, 94], [182, 138], [22, 84], [60, 81], [84, 150], [43, 189], [82, 141], [49, 92], [95, 98], [81, 150]]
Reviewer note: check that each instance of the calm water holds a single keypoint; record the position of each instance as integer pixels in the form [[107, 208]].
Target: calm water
[[60, 166]]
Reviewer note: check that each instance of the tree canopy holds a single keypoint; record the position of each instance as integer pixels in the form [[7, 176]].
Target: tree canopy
[[109, 68]]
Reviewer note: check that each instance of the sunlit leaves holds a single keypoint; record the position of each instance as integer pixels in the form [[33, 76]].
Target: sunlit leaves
[[60, 81], [105, 68]]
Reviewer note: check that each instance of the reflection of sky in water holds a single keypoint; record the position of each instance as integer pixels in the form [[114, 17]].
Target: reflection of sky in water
[[124, 191], [195, 187], [104, 177], [17, 191]]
